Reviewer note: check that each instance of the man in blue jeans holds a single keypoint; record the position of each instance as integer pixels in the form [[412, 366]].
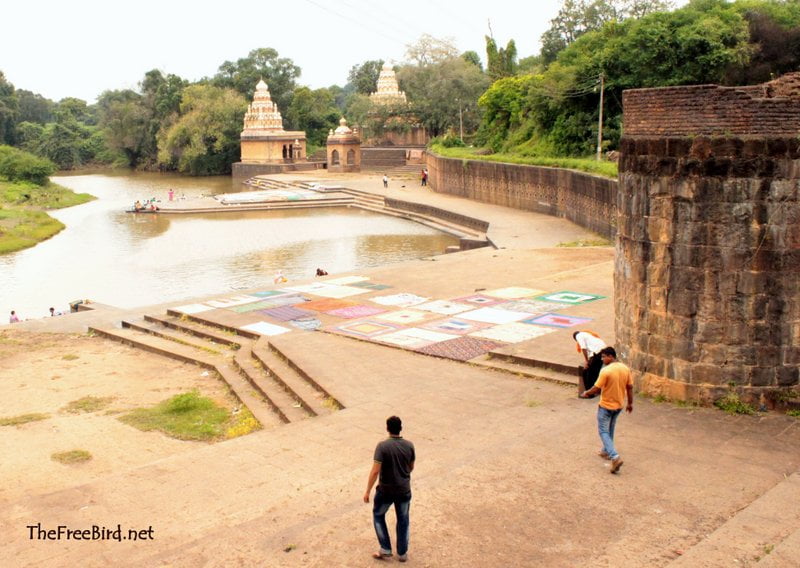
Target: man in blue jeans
[[614, 384], [393, 464]]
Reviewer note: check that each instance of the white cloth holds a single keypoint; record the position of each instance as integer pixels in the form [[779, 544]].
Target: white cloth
[[589, 342]]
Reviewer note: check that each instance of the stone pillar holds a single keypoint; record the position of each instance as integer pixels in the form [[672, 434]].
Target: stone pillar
[[707, 276]]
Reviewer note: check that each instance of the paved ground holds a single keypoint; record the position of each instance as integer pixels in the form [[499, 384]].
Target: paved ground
[[506, 473]]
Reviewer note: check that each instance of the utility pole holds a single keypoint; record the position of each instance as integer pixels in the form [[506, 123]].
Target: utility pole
[[600, 120]]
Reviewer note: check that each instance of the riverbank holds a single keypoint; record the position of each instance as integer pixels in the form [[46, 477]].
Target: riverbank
[[24, 221]]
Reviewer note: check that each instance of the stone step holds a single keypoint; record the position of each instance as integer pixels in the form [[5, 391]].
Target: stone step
[[202, 344], [303, 392], [525, 360], [767, 525], [277, 347], [282, 401], [199, 319], [192, 328], [531, 372], [262, 411]]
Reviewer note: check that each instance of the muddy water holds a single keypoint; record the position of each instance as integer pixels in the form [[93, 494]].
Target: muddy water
[[126, 260]]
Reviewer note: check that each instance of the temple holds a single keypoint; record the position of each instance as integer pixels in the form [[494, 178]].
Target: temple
[[344, 149], [388, 93], [265, 146]]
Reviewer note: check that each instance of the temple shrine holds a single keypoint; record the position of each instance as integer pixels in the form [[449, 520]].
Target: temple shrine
[[265, 146], [388, 92], [391, 122], [344, 149]]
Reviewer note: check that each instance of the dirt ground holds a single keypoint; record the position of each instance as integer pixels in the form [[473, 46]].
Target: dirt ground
[[43, 373]]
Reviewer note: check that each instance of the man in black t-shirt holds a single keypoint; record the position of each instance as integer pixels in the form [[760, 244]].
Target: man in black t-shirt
[[393, 464]]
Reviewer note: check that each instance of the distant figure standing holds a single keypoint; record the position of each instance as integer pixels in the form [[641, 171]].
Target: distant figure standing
[[171, 194], [385, 181], [279, 278], [14, 317], [616, 383], [424, 177], [393, 463], [321, 272], [589, 344]]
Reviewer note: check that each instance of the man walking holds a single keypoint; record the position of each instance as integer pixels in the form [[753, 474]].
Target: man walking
[[393, 464], [614, 384]]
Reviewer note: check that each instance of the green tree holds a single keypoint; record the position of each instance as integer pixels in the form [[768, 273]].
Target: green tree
[[34, 107], [8, 110], [428, 50], [363, 78], [501, 62], [315, 112], [205, 139], [280, 74], [472, 57], [576, 17], [124, 120]]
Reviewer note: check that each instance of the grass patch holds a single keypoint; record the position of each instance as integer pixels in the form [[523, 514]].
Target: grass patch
[[588, 165], [72, 456], [186, 416], [586, 243], [88, 404], [23, 419], [687, 403], [531, 403], [331, 404], [732, 404], [793, 413], [70, 357], [23, 220]]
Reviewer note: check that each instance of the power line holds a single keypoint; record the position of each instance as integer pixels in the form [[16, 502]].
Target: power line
[[358, 23]]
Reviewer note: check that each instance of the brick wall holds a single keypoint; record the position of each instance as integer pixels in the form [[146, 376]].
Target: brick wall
[[587, 200], [707, 276]]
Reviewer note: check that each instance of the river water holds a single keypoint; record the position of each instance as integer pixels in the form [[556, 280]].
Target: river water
[[113, 257]]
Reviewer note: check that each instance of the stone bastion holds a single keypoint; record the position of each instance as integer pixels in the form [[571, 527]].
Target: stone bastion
[[708, 239]]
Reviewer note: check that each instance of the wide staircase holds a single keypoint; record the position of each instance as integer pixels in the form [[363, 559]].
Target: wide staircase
[[275, 389], [389, 161]]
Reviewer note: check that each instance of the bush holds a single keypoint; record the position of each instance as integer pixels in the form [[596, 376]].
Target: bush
[[17, 165]]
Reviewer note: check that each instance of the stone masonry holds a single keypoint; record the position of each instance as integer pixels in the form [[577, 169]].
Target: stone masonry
[[708, 252]]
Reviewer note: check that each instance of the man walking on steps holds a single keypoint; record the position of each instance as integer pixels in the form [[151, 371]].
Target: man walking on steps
[[614, 384], [393, 464]]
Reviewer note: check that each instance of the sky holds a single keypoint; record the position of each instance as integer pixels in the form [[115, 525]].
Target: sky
[[80, 48]]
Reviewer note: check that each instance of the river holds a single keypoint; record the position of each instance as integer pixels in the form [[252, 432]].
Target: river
[[109, 256]]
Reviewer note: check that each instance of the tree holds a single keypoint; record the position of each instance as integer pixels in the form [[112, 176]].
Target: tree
[[472, 57], [363, 78], [437, 92], [124, 120], [34, 107], [576, 17], [429, 50], [205, 139], [500, 62], [315, 112], [8, 110], [280, 74]]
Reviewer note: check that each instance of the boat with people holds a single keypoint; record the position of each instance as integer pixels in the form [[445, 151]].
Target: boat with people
[[149, 206]]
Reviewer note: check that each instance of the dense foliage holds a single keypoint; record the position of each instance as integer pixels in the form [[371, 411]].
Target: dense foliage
[[555, 110]]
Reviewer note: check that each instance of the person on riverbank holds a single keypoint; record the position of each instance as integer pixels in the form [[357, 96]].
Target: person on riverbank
[[279, 278], [392, 465], [14, 317], [589, 344], [171, 194], [385, 181], [615, 383], [321, 272], [54, 313]]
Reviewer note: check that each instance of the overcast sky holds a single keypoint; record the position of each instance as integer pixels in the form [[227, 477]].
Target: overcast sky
[[80, 48]]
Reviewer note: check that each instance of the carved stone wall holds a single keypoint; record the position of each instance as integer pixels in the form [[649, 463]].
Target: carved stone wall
[[707, 277], [584, 199]]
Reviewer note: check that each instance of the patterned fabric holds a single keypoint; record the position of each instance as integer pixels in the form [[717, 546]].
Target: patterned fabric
[[557, 320], [513, 292], [286, 313], [460, 349], [360, 311], [309, 324], [478, 300], [328, 304], [566, 297], [513, 332]]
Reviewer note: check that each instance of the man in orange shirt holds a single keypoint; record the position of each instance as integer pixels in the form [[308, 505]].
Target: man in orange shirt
[[614, 383]]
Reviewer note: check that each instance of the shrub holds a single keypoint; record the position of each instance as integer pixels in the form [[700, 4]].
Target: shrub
[[17, 165]]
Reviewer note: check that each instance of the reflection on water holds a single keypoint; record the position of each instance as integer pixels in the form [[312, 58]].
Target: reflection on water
[[130, 260]]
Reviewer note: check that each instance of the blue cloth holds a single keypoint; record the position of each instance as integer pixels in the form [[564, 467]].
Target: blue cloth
[[402, 505]]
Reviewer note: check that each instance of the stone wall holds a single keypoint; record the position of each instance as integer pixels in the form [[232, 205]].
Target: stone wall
[[707, 276], [587, 200]]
